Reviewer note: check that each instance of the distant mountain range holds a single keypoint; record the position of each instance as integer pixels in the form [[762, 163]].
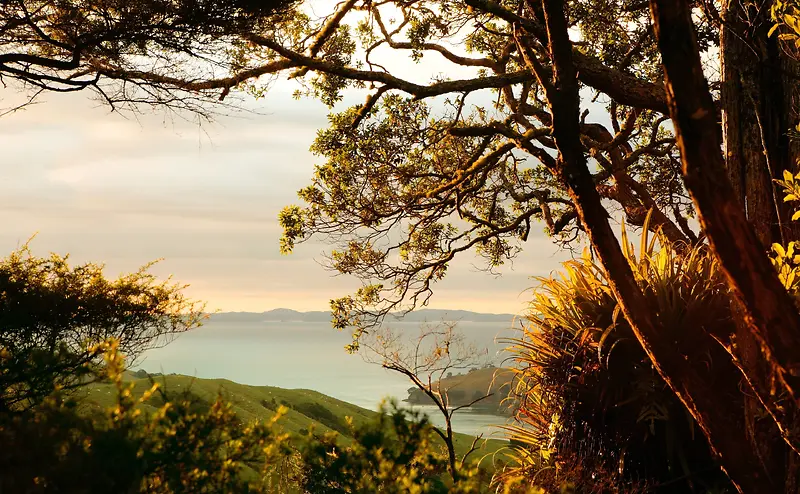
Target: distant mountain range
[[423, 315]]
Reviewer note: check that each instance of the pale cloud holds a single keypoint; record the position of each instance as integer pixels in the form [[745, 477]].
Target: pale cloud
[[205, 198]]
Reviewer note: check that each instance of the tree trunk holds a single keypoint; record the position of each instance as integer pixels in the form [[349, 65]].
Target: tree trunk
[[733, 239], [757, 112], [758, 107]]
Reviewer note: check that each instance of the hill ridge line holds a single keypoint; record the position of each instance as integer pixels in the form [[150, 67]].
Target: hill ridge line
[[423, 315]]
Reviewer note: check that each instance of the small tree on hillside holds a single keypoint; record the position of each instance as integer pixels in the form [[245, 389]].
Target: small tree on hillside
[[425, 360]]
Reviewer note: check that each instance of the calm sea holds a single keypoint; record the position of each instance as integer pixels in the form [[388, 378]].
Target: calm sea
[[308, 355]]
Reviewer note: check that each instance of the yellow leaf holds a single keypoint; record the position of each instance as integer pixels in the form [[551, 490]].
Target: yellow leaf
[[790, 197], [796, 216], [778, 248], [787, 176]]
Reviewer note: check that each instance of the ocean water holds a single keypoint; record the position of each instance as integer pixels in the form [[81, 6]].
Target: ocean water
[[310, 355]]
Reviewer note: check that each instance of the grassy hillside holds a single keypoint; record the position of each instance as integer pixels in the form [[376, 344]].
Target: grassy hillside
[[492, 379], [259, 402], [464, 388]]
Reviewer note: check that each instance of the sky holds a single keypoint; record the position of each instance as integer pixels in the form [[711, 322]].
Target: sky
[[124, 191]]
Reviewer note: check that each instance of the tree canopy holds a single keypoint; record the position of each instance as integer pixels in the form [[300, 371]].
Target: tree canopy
[[423, 171], [130, 53]]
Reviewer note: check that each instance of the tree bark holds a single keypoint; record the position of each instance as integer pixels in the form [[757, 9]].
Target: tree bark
[[757, 113]]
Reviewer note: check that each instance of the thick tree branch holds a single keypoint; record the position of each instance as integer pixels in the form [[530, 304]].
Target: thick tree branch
[[620, 86], [419, 91], [118, 73]]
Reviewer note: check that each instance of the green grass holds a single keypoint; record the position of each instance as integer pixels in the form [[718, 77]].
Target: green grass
[[257, 403], [463, 389], [480, 381]]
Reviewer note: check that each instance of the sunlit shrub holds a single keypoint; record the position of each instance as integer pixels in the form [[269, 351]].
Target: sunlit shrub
[[786, 258], [593, 410]]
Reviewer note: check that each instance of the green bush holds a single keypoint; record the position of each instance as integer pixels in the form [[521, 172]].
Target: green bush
[[270, 404], [52, 314], [182, 444], [64, 328], [52, 447], [393, 454]]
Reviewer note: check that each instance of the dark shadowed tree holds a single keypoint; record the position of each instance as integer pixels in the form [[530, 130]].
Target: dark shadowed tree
[[131, 53]]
